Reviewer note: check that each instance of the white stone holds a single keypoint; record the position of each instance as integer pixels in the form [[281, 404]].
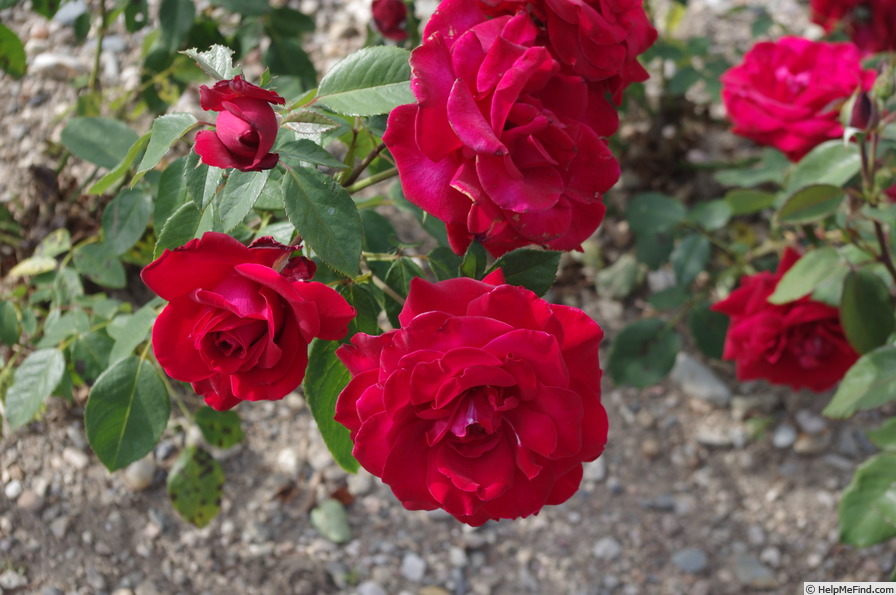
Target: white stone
[[696, 380], [413, 567], [139, 475], [13, 489], [607, 548]]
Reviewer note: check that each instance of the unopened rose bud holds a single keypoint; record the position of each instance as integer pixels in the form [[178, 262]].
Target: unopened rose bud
[[390, 18], [864, 114]]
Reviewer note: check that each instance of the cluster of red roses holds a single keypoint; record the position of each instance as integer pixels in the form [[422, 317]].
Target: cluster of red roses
[[506, 143], [788, 94]]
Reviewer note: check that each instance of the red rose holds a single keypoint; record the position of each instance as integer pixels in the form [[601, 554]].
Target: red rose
[[871, 24], [788, 93], [239, 319], [800, 343], [246, 127], [485, 402], [598, 39], [390, 18], [502, 146]]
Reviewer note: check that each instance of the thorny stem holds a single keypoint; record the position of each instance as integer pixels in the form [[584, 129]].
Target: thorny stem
[[353, 177], [885, 257], [94, 74], [374, 179]]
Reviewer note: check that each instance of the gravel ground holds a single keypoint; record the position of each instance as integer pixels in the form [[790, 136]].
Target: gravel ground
[[706, 486]]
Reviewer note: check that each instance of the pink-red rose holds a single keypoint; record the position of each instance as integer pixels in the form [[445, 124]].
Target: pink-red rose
[[239, 320], [246, 127], [485, 402], [871, 24], [800, 343], [390, 18], [788, 93], [597, 39], [502, 146]]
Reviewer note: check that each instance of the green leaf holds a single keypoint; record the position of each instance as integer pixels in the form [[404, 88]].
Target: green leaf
[[712, 215], [690, 256], [249, 8], [172, 192], [770, 168], [175, 21], [59, 328], [363, 301], [134, 332], [239, 195], [221, 429], [299, 152], [444, 262], [399, 277], [324, 380], [217, 61], [32, 382], [12, 53], [670, 298], [869, 383], [654, 249], [9, 324], [179, 229], [330, 520], [371, 81], [811, 203], [58, 241], [709, 329], [46, 8], [473, 264], [650, 212], [533, 269], [285, 56], [166, 130], [100, 264], [866, 310], [831, 163], [643, 353], [810, 271], [126, 413], [326, 216], [745, 202], [308, 122], [122, 168], [195, 483], [90, 354], [868, 504], [125, 219], [620, 278], [884, 437], [101, 141]]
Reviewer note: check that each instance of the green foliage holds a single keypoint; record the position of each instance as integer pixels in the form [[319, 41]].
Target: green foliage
[[221, 429], [126, 413], [868, 505], [12, 53], [195, 484], [643, 353], [811, 203], [324, 380], [870, 383], [369, 82], [533, 269], [101, 141], [125, 219], [866, 310], [809, 272], [217, 62], [32, 382], [166, 130]]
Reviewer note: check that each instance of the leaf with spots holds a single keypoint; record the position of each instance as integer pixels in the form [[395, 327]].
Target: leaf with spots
[[194, 486], [220, 428]]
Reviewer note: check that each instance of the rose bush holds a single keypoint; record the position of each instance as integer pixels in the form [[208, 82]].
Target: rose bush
[[599, 40], [502, 146], [246, 127], [390, 18], [788, 93], [871, 24], [800, 343], [239, 320], [485, 402]]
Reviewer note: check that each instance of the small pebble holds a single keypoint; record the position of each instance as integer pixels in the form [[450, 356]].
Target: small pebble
[[30, 501], [784, 436], [690, 560], [74, 457], [607, 548], [13, 489], [370, 588], [139, 475], [413, 567]]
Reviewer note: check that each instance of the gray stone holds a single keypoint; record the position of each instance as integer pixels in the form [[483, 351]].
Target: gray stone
[[810, 422], [413, 567], [697, 381], [596, 470], [784, 436], [10, 579], [289, 461], [139, 475], [57, 66], [752, 573], [13, 489], [370, 588], [59, 526], [30, 501], [690, 560], [74, 457], [607, 548], [69, 12]]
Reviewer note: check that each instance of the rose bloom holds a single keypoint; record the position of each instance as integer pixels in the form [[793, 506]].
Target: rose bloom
[[239, 320], [485, 402], [788, 93], [246, 127], [871, 24], [598, 39], [800, 343], [502, 146], [390, 18]]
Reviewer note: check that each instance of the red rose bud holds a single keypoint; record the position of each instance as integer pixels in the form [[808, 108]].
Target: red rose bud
[[390, 18], [864, 114], [246, 127], [799, 343], [235, 327], [485, 402]]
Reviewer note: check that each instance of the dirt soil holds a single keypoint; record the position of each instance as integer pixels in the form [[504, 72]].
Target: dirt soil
[[707, 486]]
